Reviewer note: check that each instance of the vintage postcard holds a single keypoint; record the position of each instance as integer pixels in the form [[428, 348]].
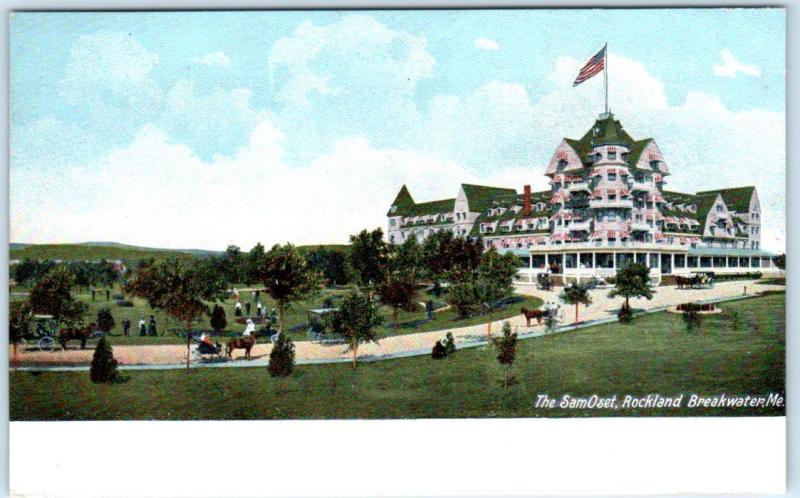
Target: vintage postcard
[[397, 214]]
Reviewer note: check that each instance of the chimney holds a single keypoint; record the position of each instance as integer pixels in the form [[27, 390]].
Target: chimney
[[526, 200]]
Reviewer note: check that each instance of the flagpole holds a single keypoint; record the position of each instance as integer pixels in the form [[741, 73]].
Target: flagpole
[[605, 73]]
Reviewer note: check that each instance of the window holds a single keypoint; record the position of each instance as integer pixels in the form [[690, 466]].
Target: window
[[392, 222], [612, 216], [586, 260], [612, 154], [394, 209], [612, 177], [561, 165], [692, 261], [719, 208], [680, 261], [705, 262], [612, 197], [654, 165]]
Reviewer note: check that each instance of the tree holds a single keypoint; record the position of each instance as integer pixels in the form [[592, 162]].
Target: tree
[[19, 319], [632, 281], [462, 297], [104, 366], [281, 358], [51, 296], [495, 281], [447, 256], [179, 288], [369, 258], [355, 320], [287, 278], [29, 271], [331, 263], [105, 320], [218, 320], [780, 261], [251, 264], [233, 264], [399, 294], [507, 350], [407, 258], [576, 294]]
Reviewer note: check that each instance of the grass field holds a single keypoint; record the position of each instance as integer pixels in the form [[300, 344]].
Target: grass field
[[296, 315], [654, 354]]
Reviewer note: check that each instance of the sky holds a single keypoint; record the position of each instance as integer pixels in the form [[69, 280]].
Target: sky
[[204, 129]]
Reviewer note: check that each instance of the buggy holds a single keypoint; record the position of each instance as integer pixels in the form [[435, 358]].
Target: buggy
[[544, 281]]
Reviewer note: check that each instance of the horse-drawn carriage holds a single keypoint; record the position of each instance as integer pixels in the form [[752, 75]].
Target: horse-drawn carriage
[[545, 281], [696, 280], [316, 327], [41, 331]]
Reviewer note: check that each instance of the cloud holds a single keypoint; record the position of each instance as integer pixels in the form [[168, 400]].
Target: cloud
[[731, 66], [218, 58], [486, 44], [356, 55], [159, 193]]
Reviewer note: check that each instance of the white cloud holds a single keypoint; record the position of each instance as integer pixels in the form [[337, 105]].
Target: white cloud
[[486, 44], [731, 66], [158, 193], [356, 55], [218, 58]]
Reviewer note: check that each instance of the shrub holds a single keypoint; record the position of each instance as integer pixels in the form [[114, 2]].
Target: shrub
[[625, 315], [117, 297], [218, 320], [439, 351], [125, 303], [550, 323], [281, 358], [736, 321], [463, 298], [105, 321], [449, 344], [692, 318], [506, 349], [104, 366]]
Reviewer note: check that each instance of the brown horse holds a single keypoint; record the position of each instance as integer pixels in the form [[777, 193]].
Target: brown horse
[[537, 314], [75, 333], [245, 343], [687, 281]]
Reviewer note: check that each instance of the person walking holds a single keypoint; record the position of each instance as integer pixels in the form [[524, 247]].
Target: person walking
[[237, 310], [126, 327], [152, 330], [93, 294], [247, 308], [249, 329], [142, 328], [429, 309], [108, 295]]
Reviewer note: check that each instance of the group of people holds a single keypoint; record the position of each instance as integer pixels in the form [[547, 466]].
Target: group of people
[[145, 329], [261, 311], [108, 294]]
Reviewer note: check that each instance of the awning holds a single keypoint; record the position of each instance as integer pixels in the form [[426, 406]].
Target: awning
[[659, 236]]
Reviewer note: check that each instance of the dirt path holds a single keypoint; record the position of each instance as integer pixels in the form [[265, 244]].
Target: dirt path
[[601, 307]]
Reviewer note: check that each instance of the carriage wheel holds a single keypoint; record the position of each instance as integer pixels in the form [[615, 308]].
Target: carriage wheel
[[46, 344]]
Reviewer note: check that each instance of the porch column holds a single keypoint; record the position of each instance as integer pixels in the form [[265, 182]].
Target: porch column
[[594, 262], [672, 263], [614, 262], [564, 264], [749, 262], [546, 260]]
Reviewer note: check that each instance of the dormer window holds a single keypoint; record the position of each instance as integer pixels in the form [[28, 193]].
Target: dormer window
[[562, 163], [624, 156], [719, 208], [612, 177], [612, 154], [393, 209], [654, 165]]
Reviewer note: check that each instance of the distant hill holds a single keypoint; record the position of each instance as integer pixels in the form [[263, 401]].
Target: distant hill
[[98, 250]]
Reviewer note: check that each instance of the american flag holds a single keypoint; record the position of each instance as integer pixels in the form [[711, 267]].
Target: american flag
[[593, 67]]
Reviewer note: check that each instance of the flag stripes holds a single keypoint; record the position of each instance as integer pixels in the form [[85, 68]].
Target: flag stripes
[[591, 68]]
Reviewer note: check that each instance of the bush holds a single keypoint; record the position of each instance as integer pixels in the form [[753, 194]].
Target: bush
[[625, 315], [550, 323], [105, 321], [692, 318], [439, 351], [218, 320], [118, 296], [104, 366], [125, 303], [281, 358], [449, 344], [463, 298]]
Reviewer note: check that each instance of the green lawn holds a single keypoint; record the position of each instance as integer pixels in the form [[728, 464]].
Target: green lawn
[[297, 314], [654, 354]]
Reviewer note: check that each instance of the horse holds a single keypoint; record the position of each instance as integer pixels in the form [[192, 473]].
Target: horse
[[537, 314], [245, 343], [687, 281], [75, 333]]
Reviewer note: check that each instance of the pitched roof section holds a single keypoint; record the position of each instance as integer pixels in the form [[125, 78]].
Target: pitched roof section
[[480, 197], [704, 204], [609, 131], [433, 207], [403, 201], [737, 199]]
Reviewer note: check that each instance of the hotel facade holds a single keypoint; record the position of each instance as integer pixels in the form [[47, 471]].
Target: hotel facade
[[607, 206]]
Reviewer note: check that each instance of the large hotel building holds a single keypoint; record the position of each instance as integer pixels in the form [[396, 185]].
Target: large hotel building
[[607, 205]]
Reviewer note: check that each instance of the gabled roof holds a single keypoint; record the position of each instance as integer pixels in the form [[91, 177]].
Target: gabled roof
[[610, 131], [704, 204], [480, 197], [403, 201], [737, 199]]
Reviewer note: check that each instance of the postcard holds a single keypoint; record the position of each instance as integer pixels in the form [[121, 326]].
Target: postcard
[[416, 214]]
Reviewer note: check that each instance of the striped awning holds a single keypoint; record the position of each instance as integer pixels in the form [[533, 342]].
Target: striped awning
[[595, 172], [658, 177], [655, 198], [561, 195], [610, 234], [560, 236], [659, 236]]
